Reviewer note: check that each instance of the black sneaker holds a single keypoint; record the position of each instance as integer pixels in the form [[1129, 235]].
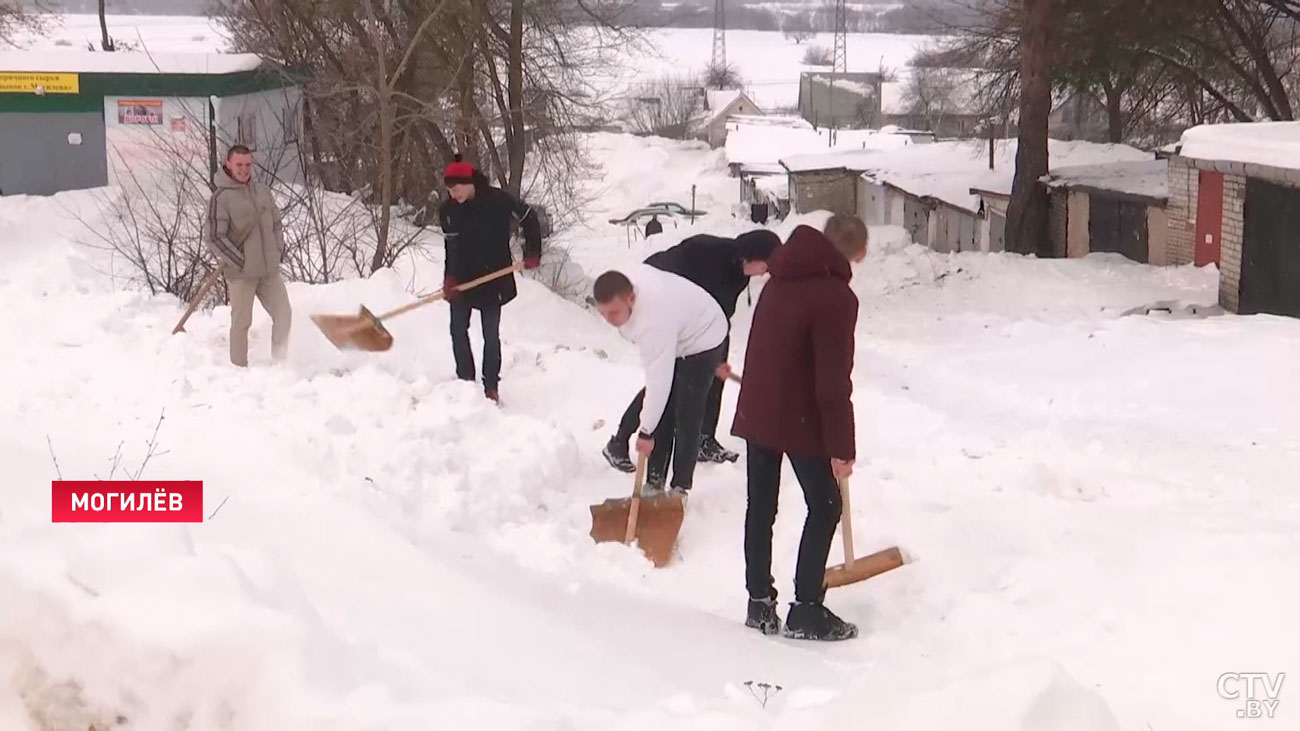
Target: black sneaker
[[762, 616], [617, 456], [813, 621], [654, 483], [712, 451]]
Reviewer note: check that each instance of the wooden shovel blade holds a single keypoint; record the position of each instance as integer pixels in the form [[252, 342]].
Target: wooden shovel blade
[[658, 523], [864, 568], [362, 331]]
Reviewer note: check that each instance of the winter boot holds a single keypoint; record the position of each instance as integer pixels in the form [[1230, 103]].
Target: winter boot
[[492, 395], [813, 621], [712, 451], [654, 483], [617, 456], [762, 616]]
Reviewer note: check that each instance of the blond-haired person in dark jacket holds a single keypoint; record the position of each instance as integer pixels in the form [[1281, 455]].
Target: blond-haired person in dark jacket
[[245, 232]]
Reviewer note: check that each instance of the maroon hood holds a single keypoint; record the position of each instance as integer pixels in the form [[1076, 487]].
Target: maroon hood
[[808, 254]]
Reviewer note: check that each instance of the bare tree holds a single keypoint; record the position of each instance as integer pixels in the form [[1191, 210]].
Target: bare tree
[[1027, 212], [106, 41], [664, 107], [798, 27], [933, 94], [19, 18]]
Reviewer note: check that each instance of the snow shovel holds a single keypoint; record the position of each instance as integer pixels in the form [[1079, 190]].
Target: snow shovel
[[854, 570], [365, 331], [194, 303], [653, 522]]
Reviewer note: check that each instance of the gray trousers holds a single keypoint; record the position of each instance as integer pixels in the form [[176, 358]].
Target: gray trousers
[[271, 292]]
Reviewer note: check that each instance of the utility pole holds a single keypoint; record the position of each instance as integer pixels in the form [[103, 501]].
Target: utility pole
[[839, 65], [719, 64]]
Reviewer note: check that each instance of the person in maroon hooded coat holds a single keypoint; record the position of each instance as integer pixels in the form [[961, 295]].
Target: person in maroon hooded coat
[[796, 401]]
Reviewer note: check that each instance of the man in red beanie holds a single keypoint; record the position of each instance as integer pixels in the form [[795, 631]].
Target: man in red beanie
[[476, 225], [796, 402]]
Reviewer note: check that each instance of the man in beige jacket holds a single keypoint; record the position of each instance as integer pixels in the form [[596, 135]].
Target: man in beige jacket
[[245, 233]]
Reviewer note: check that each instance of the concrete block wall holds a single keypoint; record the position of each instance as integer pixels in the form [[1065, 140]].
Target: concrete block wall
[[1180, 242], [835, 192], [1234, 203]]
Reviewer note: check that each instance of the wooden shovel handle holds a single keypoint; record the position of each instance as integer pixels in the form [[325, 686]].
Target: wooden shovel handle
[[634, 511], [846, 517], [440, 294], [194, 303]]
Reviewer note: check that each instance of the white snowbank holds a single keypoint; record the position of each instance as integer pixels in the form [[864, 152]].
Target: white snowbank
[[1276, 144], [392, 551]]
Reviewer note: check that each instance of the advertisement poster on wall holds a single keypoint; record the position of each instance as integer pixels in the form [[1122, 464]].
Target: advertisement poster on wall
[[140, 111]]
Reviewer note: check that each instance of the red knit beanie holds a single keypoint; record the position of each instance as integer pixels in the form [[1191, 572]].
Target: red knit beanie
[[458, 173]]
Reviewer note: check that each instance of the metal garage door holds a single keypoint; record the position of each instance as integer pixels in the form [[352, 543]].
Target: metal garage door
[[916, 219], [37, 158], [1270, 250], [997, 232], [1118, 226]]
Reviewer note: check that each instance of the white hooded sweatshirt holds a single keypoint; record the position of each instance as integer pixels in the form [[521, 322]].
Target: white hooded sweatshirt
[[672, 318]]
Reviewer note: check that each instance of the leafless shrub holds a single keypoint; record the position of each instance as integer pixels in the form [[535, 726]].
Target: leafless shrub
[[723, 77], [818, 56], [664, 107]]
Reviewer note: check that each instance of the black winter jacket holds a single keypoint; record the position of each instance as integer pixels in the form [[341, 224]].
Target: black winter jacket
[[477, 236], [712, 262]]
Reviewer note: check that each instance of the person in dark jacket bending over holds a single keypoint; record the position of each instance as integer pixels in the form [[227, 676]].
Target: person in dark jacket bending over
[[796, 401], [722, 267], [476, 222]]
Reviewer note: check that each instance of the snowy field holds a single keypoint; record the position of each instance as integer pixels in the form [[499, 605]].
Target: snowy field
[[1100, 507], [1100, 502], [767, 62]]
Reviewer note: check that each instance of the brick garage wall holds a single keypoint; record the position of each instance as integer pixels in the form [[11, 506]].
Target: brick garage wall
[[1180, 242], [1234, 203], [835, 192], [1059, 223]]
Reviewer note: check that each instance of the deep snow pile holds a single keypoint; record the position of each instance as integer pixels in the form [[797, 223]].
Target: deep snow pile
[[1099, 505]]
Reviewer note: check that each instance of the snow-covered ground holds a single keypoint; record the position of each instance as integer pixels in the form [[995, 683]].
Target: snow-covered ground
[[1101, 506]]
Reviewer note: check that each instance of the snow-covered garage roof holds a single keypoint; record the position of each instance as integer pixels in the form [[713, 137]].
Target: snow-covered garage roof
[[127, 62], [1273, 144]]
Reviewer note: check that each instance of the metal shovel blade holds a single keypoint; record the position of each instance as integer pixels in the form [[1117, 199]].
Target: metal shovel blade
[[362, 331], [659, 520]]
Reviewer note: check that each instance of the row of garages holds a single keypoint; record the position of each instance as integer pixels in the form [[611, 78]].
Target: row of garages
[[1227, 195]]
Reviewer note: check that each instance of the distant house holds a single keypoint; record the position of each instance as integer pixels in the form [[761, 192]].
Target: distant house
[[1111, 207], [72, 120], [719, 105], [938, 100], [1234, 201], [849, 100]]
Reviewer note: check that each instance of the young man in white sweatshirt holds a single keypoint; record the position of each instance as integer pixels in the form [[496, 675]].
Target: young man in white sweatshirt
[[679, 329]]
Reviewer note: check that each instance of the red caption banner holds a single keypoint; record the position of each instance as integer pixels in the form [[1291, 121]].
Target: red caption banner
[[133, 501]]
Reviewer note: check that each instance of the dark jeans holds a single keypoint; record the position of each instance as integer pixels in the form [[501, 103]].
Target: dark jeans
[[708, 427], [712, 408], [490, 322], [678, 435], [821, 494]]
